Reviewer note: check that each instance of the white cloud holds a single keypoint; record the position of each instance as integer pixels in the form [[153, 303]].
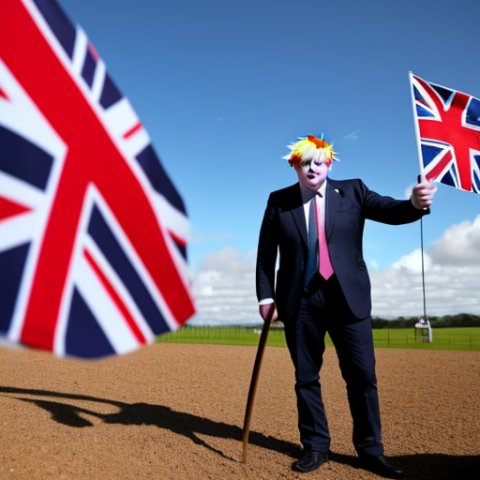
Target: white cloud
[[413, 262], [352, 136], [224, 288], [220, 236], [374, 264], [224, 284], [459, 245], [452, 279]]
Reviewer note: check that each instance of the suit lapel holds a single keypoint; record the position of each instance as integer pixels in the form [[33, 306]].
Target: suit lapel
[[298, 214], [332, 206]]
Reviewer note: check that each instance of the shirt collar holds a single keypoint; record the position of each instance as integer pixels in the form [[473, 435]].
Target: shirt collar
[[307, 194]]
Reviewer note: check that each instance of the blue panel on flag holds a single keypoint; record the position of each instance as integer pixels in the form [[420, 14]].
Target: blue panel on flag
[[88, 69], [473, 113], [422, 112], [445, 93], [110, 93], [12, 263], [59, 23], [182, 249], [150, 164], [418, 96], [115, 255], [448, 179], [476, 159], [429, 152], [23, 159], [81, 325], [476, 178]]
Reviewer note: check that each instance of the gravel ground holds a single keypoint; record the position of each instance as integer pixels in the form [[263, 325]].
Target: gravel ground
[[176, 412]]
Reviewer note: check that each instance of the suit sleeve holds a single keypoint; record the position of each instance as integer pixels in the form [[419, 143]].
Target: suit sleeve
[[267, 253], [388, 210]]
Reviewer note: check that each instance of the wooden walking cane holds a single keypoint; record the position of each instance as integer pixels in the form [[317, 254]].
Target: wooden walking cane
[[253, 384]]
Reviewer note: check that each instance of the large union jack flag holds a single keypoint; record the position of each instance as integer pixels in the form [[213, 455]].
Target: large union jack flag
[[92, 230], [448, 126]]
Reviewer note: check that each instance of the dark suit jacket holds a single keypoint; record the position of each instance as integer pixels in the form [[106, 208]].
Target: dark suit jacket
[[348, 204]]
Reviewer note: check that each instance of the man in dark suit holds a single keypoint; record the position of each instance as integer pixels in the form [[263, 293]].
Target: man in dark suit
[[322, 285]]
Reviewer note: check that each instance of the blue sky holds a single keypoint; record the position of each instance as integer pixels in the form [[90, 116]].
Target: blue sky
[[222, 87]]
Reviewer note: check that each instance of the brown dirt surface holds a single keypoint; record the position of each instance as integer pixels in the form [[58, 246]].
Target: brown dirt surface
[[176, 412]]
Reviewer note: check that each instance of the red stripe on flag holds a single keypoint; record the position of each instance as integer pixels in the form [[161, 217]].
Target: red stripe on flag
[[178, 240], [440, 166], [3, 94], [129, 320], [10, 209], [132, 131]]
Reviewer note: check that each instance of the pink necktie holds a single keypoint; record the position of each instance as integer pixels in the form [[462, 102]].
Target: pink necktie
[[325, 267]]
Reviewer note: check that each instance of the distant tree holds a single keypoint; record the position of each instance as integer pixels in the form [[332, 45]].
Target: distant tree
[[446, 321]]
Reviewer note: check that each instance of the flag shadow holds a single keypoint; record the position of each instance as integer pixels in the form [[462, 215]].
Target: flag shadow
[[181, 423]]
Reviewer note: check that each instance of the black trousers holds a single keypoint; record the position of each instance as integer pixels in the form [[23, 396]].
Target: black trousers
[[323, 309]]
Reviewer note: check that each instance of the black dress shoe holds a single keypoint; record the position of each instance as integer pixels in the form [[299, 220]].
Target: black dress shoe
[[380, 466], [311, 460]]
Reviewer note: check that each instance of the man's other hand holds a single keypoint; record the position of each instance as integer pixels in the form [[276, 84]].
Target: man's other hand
[[267, 311]]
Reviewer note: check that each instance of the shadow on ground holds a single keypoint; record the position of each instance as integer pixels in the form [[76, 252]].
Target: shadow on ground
[[416, 466], [431, 466], [181, 423]]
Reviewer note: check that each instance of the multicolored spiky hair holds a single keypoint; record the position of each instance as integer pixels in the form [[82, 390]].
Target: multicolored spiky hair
[[309, 149]]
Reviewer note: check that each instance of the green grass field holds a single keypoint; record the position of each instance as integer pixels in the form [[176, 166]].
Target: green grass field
[[443, 338]]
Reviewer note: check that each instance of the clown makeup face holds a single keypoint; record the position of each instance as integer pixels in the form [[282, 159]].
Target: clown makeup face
[[311, 174]]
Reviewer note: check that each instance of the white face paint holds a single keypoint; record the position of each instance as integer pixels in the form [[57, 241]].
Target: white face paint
[[311, 174]]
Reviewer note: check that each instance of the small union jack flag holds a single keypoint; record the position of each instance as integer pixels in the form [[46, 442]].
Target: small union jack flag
[[92, 231], [448, 127]]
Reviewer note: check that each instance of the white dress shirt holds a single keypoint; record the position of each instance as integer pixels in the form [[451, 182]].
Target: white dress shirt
[[307, 195]]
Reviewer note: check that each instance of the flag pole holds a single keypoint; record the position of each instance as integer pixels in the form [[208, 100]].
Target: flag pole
[[420, 178], [423, 272], [253, 385], [415, 123]]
